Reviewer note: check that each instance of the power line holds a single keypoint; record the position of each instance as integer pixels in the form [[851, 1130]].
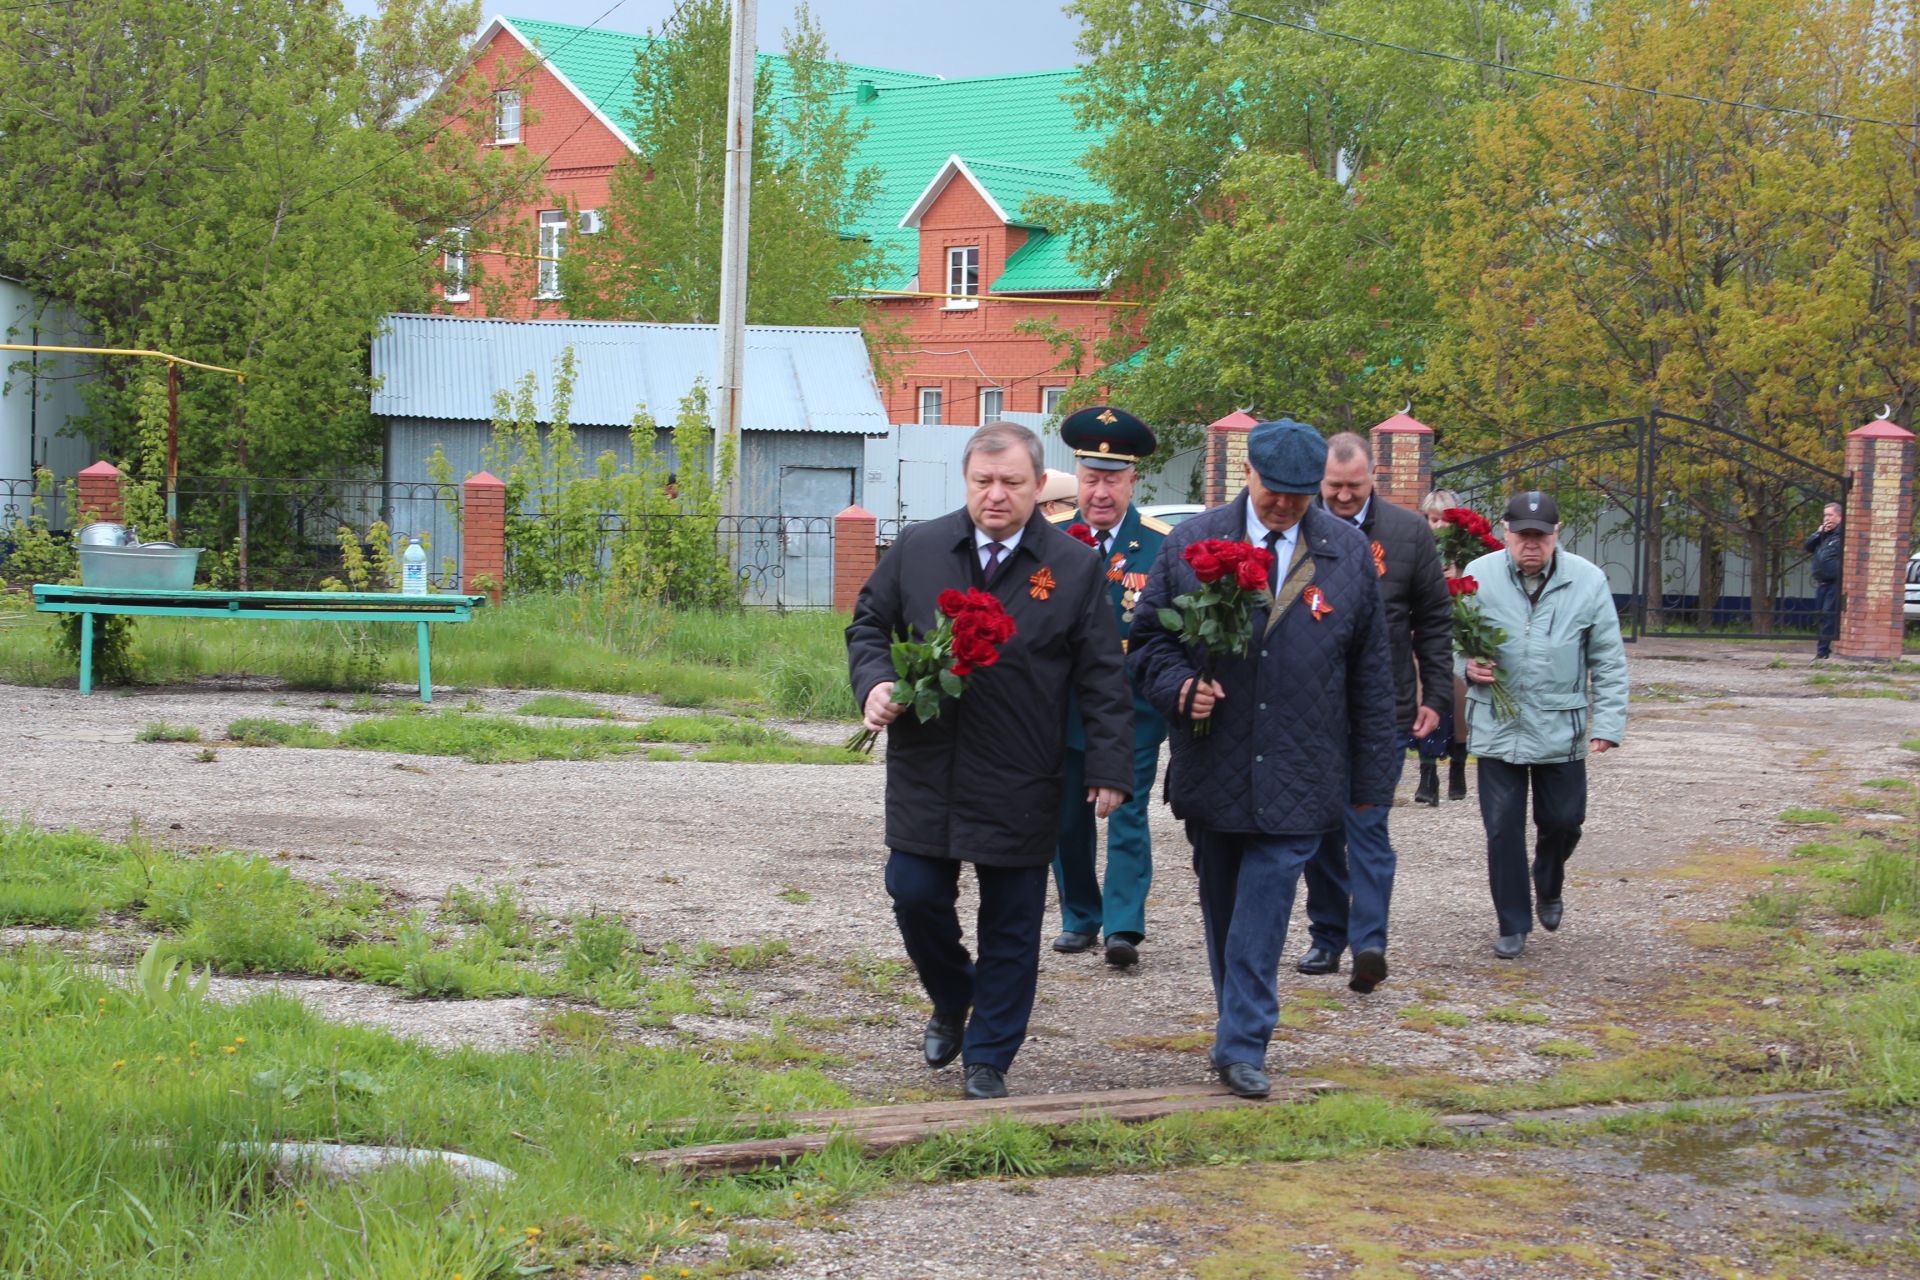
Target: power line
[[1465, 60]]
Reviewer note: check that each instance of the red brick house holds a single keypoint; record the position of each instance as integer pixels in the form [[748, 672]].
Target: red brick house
[[958, 161]]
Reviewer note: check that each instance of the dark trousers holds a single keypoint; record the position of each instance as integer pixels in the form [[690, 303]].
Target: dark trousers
[[998, 986], [1559, 809], [1826, 602], [1247, 884], [1345, 905]]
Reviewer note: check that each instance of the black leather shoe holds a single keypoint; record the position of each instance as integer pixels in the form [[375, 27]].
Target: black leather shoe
[[1369, 971], [1550, 914], [941, 1043], [1508, 946], [1457, 775], [984, 1081], [1122, 954], [1070, 943], [1428, 792], [1318, 961], [1245, 1079]]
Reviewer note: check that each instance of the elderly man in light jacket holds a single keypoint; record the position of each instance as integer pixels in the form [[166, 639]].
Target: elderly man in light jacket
[[1562, 633]]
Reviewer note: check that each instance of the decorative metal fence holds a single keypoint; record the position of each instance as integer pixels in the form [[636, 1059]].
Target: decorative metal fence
[[284, 534], [17, 502]]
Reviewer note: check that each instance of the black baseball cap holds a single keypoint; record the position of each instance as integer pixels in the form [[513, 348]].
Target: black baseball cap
[[1532, 512]]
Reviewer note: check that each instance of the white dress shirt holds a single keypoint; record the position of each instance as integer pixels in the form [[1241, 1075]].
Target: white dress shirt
[[981, 538], [1283, 549]]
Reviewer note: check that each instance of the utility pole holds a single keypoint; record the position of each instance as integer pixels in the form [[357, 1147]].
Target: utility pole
[[733, 248]]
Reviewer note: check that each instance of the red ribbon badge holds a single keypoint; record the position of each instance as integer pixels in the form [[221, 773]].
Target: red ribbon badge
[[1379, 559], [1316, 601], [1115, 567], [1040, 585]]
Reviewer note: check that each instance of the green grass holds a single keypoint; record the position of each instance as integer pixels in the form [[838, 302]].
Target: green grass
[[1517, 1015], [1910, 744], [791, 664], [161, 731], [487, 739], [1808, 816], [563, 705], [1888, 784], [1563, 1049]]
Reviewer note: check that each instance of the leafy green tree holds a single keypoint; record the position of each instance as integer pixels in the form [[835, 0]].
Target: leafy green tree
[[1270, 189], [659, 258], [1607, 252], [249, 185]]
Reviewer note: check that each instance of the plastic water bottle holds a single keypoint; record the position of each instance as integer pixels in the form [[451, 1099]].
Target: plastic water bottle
[[413, 568]]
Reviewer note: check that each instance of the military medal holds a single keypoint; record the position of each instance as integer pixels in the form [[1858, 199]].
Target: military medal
[[1316, 601], [1116, 567]]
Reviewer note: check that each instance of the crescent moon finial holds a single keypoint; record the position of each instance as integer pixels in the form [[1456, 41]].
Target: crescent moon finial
[[1886, 412], [1408, 406]]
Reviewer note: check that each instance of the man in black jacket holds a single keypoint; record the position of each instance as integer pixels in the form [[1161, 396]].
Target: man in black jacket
[[1299, 729], [1345, 909], [1825, 544], [980, 783]]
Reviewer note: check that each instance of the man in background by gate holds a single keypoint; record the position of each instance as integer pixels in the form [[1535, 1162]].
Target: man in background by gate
[[1824, 544]]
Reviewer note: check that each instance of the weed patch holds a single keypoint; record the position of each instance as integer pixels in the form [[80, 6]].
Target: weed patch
[[1803, 817], [561, 705], [161, 731]]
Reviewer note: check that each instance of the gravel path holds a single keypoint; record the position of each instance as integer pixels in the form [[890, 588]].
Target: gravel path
[[1719, 743]]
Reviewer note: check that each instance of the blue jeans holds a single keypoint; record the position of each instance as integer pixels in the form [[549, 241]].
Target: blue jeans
[[1122, 909], [1345, 907], [999, 985], [1247, 884], [1826, 603], [1559, 812]]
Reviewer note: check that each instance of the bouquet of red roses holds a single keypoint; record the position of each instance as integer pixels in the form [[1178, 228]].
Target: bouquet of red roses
[[971, 628], [1476, 637], [1464, 536], [1214, 619]]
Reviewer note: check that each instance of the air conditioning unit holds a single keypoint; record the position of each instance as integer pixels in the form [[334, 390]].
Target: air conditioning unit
[[592, 221]]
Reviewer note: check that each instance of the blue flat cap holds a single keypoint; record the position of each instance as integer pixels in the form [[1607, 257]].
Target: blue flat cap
[[1288, 456], [1106, 438]]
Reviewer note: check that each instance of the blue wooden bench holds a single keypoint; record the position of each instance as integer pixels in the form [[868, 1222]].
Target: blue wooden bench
[[283, 606]]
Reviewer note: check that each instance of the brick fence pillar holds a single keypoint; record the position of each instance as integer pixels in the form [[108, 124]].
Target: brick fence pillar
[[1873, 555], [1227, 456], [856, 536], [483, 535], [100, 497], [1403, 460]]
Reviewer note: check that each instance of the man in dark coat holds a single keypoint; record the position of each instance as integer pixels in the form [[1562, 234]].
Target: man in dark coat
[[981, 782], [1299, 729], [1824, 544], [1343, 909]]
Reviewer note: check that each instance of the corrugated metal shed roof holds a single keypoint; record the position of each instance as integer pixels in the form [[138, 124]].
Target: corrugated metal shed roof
[[797, 379]]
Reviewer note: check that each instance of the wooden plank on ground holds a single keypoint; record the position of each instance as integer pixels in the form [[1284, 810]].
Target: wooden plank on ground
[[911, 1112], [879, 1129]]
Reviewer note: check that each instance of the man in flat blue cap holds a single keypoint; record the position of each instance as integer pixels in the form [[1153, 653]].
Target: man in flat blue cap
[[1301, 727], [1108, 444]]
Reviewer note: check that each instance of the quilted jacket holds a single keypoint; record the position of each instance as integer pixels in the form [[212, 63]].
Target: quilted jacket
[[1554, 647], [1307, 725]]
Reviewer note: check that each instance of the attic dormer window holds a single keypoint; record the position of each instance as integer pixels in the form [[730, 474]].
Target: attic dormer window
[[506, 116], [963, 278]]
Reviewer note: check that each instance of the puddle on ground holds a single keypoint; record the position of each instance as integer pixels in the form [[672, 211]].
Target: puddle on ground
[[1853, 1176]]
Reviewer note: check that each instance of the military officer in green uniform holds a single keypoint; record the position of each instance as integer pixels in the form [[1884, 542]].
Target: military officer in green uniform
[[1107, 443]]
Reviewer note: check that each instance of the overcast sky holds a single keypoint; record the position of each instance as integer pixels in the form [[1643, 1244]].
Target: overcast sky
[[944, 37]]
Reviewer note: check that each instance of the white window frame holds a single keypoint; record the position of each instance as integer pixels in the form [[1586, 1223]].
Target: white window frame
[[930, 398], [506, 111], [997, 396], [454, 260], [551, 242], [964, 293], [1050, 398]]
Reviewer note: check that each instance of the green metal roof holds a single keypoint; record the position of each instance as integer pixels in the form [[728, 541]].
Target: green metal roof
[[1042, 265], [1017, 134], [600, 64]]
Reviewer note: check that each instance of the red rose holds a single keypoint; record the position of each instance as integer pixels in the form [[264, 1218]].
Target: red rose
[[1229, 553], [1250, 576], [1492, 543], [1263, 558], [953, 603], [961, 669], [1083, 533], [975, 650], [1462, 586]]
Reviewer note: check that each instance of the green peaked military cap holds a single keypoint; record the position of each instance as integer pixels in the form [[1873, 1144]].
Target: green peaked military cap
[[1106, 438]]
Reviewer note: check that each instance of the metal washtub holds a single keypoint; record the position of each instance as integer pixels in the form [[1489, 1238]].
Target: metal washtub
[[152, 567]]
